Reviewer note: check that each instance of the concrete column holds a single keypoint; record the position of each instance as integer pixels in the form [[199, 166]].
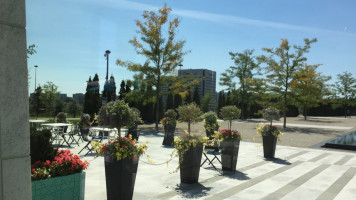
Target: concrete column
[[15, 175]]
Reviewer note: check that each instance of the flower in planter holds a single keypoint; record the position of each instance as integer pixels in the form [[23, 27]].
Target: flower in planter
[[64, 163], [169, 117], [230, 113], [120, 148], [228, 135], [61, 117], [267, 129]]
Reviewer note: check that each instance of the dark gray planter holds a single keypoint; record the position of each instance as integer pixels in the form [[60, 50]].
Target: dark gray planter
[[168, 134], [190, 166], [229, 154], [269, 146], [120, 177]]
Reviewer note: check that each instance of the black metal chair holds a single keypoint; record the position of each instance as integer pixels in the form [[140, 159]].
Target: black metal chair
[[84, 134], [211, 150]]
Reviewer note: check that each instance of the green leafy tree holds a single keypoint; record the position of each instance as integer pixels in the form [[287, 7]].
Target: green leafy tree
[[189, 113], [163, 53], [205, 101], [228, 100], [221, 100], [345, 89], [177, 100], [230, 113], [309, 87], [282, 64], [122, 91], [244, 70], [49, 97], [92, 101], [170, 101], [196, 96], [188, 97], [73, 107], [36, 103]]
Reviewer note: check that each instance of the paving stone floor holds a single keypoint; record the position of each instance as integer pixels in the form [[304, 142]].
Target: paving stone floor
[[295, 173]]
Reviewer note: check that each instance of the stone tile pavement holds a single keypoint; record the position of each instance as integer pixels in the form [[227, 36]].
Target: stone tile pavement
[[295, 173]]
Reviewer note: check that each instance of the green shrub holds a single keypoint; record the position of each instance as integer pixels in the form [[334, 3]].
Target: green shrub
[[40, 145]]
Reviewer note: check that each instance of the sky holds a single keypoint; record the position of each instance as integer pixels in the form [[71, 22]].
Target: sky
[[72, 35]]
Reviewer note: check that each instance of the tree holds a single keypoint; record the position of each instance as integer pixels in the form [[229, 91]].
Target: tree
[[221, 101], [196, 96], [49, 97], [244, 70], [162, 52], [308, 88], [177, 100], [205, 101], [345, 89], [92, 101], [122, 91], [282, 64], [228, 100], [188, 97], [36, 101], [170, 101], [73, 107]]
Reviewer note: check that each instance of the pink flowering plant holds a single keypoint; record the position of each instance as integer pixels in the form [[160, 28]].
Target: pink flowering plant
[[228, 135], [169, 117], [64, 163]]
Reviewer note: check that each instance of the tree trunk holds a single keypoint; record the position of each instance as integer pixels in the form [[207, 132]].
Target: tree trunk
[[157, 100], [305, 113], [189, 128]]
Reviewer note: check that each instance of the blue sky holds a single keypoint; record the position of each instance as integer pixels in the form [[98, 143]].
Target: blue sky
[[72, 35]]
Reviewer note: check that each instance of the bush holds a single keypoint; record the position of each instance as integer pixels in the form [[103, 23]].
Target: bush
[[61, 117], [271, 114], [189, 113], [210, 121], [40, 145]]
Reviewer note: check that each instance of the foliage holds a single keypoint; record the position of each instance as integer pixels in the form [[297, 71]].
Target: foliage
[[61, 117], [120, 148], [92, 101], [122, 91], [169, 102], [345, 89], [117, 114], [282, 64], [36, 103], [177, 100], [73, 107], [109, 91], [221, 101], [184, 142], [271, 114], [205, 101], [169, 117], [245, 69], [31, 49], [163, 53], [210, 121], [309, 87], [84, 120], [228, 135], [196, 96], [188, 97], [49, 97], [40, 145], [189, 113], [64, 163], [230, 113], [267, 129]]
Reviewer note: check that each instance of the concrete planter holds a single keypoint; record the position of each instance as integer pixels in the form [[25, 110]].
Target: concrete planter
[[120, 177], [269, 146], [169, 134], [229, 154], [71, 187], [190, 167]]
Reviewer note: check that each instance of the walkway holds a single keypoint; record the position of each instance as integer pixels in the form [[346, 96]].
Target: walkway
[[296, 173]]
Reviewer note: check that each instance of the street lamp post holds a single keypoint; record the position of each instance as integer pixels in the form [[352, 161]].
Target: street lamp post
[[35, 76], [107, 52], [180, 68]]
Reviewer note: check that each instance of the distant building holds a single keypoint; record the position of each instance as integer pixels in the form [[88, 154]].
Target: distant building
[[79, 97], [207, 83], [62, 96]]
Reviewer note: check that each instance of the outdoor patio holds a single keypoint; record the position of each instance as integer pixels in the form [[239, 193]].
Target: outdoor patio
[[296, 173]]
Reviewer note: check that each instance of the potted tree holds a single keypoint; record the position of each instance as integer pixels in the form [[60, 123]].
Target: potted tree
[[229, 139], [120, 154], [62, 118], [55, 174], [189, 147], [169, 122], [132, 130], [269, 132], [211, 125], [84, 124]]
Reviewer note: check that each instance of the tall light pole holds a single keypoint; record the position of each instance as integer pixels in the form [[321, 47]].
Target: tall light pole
[[180, 68], [35, 76], [107, 52]]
